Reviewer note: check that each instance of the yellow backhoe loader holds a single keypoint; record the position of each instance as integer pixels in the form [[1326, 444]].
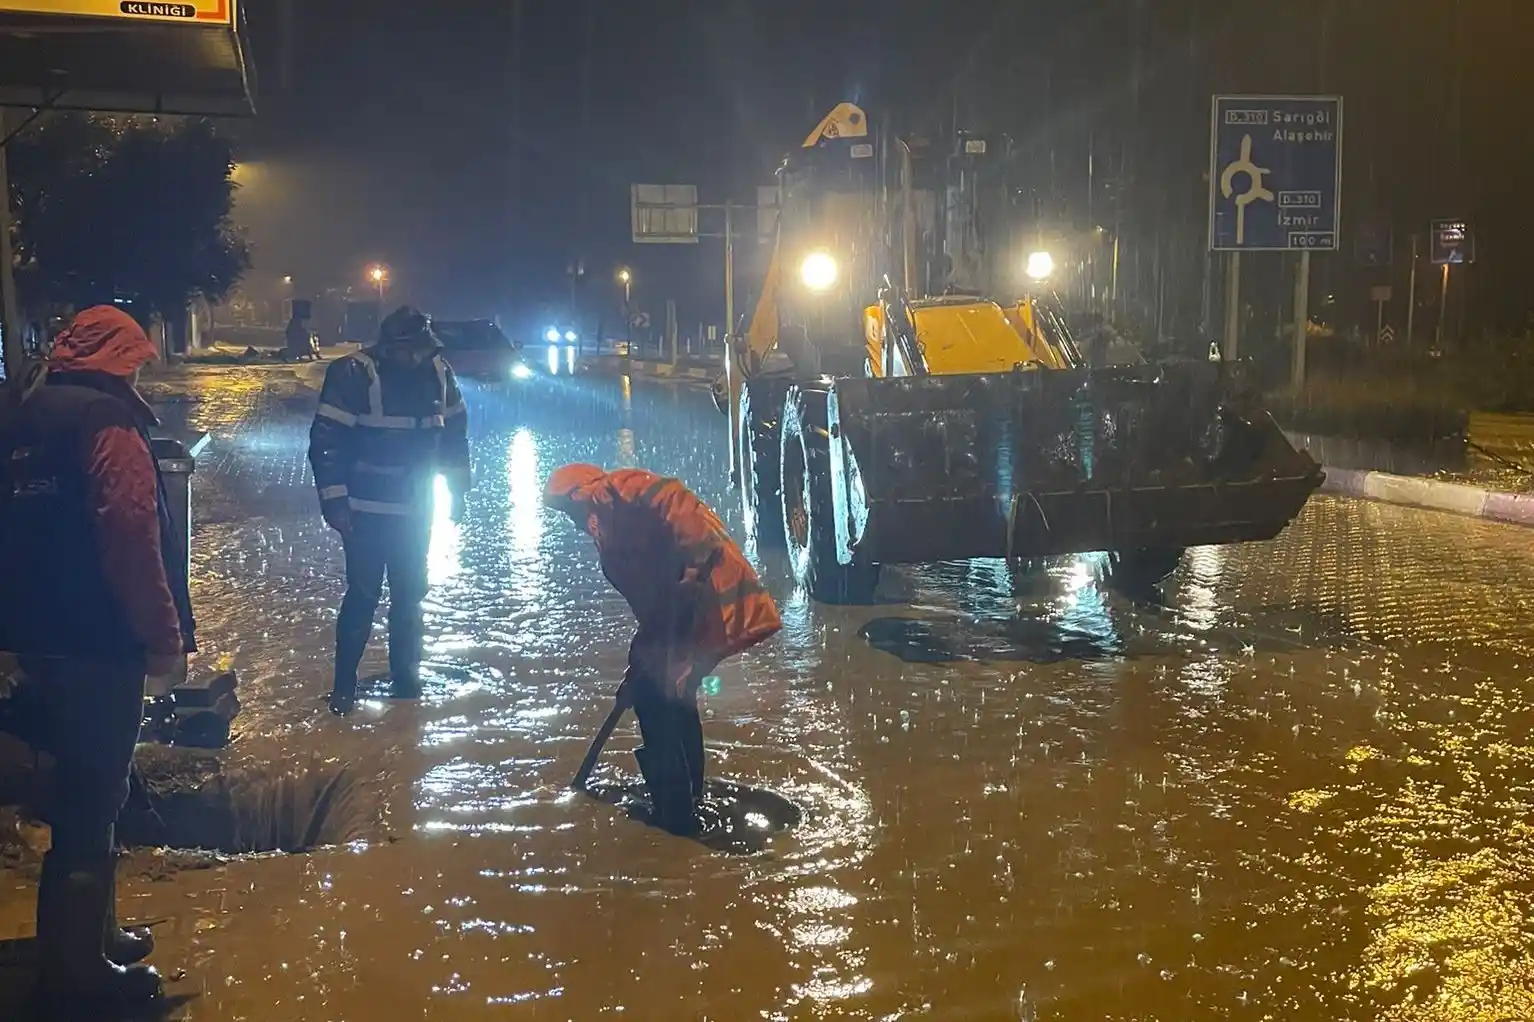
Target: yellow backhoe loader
[[878, 423]]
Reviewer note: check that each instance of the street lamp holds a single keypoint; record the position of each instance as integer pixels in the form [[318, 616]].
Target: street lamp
[[626, 278], [379, 275]]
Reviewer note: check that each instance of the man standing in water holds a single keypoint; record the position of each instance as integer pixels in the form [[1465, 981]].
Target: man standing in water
[[390, 420], [697, 599]]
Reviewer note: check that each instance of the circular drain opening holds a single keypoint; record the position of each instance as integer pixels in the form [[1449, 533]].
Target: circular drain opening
[[190, 803]]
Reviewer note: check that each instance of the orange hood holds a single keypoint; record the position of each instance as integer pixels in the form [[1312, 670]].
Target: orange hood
[[102, 339], [566, 484]]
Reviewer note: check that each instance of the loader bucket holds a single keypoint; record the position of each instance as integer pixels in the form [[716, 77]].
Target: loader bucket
[[1040, 462]]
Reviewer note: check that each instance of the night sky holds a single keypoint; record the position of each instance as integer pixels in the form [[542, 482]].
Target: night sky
[[478, 160]]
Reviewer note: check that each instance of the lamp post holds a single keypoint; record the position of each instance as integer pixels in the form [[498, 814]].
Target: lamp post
[[626, 278], [379, 275]]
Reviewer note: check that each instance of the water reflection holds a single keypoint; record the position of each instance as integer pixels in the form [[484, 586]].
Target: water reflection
[[524, 509], [445, 561], [1083, 608], [1201, 604], [628, 455]]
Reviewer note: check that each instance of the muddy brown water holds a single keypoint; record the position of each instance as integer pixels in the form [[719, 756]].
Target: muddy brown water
[[1300, 788]]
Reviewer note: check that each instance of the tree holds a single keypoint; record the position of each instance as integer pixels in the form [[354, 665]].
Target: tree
[[132, 207]]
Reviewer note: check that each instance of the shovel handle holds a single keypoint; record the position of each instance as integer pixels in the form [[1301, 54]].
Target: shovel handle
[[620, 706]]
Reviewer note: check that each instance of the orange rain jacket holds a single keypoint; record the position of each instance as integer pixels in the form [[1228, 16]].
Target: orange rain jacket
[[652, 534]]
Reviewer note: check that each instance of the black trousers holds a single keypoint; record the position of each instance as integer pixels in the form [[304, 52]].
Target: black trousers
[[664, 689], [86, 711], [395, 546]]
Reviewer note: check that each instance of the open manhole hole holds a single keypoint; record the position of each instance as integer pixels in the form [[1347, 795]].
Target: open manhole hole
[[186, 800]]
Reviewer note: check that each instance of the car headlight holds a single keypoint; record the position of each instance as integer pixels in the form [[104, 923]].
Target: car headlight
[[819, 271], [1040, 266], [570, 336], [551, 335], [521, 371]]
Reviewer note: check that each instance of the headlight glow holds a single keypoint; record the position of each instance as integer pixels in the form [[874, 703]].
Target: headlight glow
[[521, 371], [551, 335], [819, 271], [1040, 265], [570, 336]]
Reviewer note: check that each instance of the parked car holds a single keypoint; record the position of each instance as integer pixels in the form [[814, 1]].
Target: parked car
[[478, 349]]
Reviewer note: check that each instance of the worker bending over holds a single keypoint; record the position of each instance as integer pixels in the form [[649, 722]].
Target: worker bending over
[[697, 599]]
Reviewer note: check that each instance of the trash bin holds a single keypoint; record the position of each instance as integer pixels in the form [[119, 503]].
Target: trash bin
[[177, 462]]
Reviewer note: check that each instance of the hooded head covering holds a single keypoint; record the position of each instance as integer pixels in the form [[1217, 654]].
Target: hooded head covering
[[567, 481], [102, 339], [407, 325]]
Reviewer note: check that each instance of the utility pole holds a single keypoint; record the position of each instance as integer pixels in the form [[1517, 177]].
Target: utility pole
[[287, 58], [514, 170], [1411, 295], [15, 354], [1443, 308], [588, 14], [729, 269]]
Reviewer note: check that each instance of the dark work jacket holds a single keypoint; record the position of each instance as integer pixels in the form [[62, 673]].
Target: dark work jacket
[[55, 599], [383, 432]]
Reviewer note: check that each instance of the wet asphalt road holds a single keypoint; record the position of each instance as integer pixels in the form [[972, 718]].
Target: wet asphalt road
[[1301, 788]]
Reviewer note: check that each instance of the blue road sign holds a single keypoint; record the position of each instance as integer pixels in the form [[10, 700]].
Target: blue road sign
[[1275, 173]]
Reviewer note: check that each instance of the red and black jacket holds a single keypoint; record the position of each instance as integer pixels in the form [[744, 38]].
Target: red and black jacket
[[90, 564]]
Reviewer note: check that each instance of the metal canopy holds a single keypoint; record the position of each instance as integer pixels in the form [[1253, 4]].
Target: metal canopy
[[125, 57]]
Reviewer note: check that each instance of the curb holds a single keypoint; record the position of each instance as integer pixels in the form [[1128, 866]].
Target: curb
[[1433, 494]]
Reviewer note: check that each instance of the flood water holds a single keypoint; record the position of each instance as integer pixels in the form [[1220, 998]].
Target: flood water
[[1300, 788]]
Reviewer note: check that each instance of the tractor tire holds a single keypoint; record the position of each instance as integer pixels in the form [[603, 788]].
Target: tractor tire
[[759, 458], [807, 506]]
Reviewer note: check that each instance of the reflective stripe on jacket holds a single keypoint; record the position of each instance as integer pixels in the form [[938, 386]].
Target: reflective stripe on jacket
[[383, 431], [650, 530]]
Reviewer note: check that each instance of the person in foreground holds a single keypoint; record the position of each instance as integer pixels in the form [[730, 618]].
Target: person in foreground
[[697, 600], [93, 599], [390, 420]]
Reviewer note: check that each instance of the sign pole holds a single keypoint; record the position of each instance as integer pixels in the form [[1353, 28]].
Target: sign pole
[[1443, 308], [729, 270], [1301, 321], [1379, 321], [1411, 294], [1233, 307]]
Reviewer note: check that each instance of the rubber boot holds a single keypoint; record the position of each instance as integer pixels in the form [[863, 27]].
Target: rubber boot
[[75, 979], [123, 946], [406, 639], [351, 644], [670, 796], [691, 724]]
